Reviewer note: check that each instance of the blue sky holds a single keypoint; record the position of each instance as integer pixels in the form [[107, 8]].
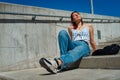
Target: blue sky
[[102, 7]]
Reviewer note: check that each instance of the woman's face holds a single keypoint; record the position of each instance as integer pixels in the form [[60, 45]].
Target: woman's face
[[76, 17]]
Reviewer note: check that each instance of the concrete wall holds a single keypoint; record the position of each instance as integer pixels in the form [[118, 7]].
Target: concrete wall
[[23, 44]]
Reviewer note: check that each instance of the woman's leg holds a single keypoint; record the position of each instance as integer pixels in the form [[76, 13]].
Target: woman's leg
[[75, 54], [64, 42]]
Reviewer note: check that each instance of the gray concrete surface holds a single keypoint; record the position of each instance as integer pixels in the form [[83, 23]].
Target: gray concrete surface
[[76, 74], [23, 44], [102, 62]]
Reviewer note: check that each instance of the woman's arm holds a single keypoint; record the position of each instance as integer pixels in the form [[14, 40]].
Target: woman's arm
[[92, 42], [70, 31]]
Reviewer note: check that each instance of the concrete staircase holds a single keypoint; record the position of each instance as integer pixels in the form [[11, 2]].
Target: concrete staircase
[[114, 41], [90, 68], [76, 74], [101, 62], [94, 67]]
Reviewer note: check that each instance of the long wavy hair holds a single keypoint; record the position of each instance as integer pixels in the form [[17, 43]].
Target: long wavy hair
[[73, 23]]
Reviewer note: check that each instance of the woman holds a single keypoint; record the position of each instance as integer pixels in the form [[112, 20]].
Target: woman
[[73, 46]]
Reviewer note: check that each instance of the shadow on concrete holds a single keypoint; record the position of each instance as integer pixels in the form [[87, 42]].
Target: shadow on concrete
[[5, 78], [45, 74]]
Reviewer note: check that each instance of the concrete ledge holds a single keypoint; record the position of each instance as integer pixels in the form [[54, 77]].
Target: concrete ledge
[[5, 78], [103, 62]]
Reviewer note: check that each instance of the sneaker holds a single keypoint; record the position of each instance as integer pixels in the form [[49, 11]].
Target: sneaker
[[49, 65]]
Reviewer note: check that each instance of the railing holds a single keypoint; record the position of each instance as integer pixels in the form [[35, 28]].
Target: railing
[[61, 19]]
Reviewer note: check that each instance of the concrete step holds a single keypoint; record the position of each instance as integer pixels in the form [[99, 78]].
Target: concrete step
[[76, 74], [103, 44], [96, 62], [103, 62], [99, 67]]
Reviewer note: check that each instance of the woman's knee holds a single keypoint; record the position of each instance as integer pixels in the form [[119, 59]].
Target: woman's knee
[[63, 33]]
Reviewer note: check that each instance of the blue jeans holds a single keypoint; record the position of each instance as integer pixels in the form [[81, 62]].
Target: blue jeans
[[71, 51]]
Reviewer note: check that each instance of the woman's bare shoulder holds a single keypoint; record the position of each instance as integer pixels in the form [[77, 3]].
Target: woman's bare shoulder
[[89, 25], [70, 27]]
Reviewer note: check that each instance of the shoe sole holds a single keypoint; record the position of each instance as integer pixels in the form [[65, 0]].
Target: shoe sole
[[43, 62]]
